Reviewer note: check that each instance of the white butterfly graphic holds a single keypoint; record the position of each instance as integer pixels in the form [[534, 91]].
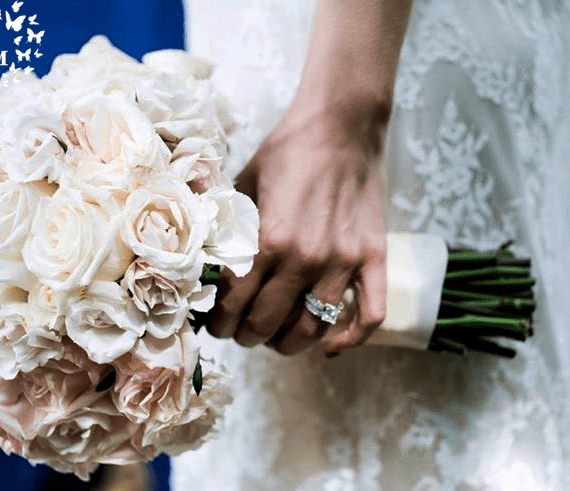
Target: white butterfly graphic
[[0, 15], [23, 55], [17, 40], [32, 20], [37, 36], [16, 5], [13, 68], [14, 24], [28, 69], [38, 54], [15, 80]]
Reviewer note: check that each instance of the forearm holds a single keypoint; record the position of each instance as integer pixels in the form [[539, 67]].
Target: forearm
[[353, 53]]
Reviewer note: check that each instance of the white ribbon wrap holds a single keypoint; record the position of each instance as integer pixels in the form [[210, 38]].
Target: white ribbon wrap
[[416, 266]]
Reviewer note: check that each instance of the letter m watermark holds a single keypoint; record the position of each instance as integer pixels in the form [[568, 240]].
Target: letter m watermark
[[3, 58]]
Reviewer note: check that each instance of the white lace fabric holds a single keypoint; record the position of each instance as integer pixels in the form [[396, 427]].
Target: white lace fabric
[[477, 152]]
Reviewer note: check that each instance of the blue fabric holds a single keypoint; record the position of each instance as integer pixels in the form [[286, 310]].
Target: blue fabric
[[134, 26], [17, 475]]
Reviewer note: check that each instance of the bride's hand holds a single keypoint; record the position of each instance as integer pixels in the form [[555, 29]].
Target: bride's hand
[[317, 182]]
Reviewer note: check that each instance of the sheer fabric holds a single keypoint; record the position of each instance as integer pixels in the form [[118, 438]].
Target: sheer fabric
[[477, 152]]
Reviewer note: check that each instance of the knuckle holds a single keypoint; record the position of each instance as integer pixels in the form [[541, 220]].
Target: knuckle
[[227, 305], [312, 256], [257, 327], [273, 243], [220, 329], [349, 256]]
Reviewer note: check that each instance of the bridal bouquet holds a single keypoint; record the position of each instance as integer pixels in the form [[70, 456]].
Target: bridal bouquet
[[113, 208], [115, 217]]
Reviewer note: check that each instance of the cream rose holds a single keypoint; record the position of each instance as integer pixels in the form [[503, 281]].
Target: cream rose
[[112, 142], [233, 237], [161, 298], [32, 147], [18, 204], [199, 420], [153, 383], [24, 345], [198, 161], [178, 62], [74, 239], [166, 225], [106, 323], [95, 435], [98, 67], [48, 306], [180, 108], [10, 444], [60, 388], [71, 421], [165, 298]]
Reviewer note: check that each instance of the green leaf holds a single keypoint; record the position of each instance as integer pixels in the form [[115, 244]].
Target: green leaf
[[197, 377], [210, 276], [62, 144]]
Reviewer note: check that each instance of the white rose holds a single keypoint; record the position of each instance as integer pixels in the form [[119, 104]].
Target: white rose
[[166, 225], [199, 420], [75, 238], [24, 345], [233, 238], [29, 88], [106, 324], [98, 67], [59, 388], [202, 297], [112, 143], [178, 62], [182, 107], [32, 143], [49, 306], [199, 162], [18, 204], [78, 444], [161, 297], [165, 298]]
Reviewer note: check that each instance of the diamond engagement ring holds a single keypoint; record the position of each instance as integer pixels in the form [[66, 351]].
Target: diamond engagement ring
[[325, 311]]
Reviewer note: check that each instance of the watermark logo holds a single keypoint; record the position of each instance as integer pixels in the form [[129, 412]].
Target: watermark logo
[[27, 42]]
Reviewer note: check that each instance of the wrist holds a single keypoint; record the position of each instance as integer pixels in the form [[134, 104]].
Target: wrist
[[363, 116]]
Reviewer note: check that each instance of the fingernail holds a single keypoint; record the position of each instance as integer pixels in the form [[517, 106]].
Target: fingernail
[[334, 354]]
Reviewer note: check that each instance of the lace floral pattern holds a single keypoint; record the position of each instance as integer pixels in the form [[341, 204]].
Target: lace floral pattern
[[477, 153], [455, 190]]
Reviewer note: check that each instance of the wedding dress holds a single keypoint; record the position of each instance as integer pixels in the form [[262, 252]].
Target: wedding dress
[[478, 151]]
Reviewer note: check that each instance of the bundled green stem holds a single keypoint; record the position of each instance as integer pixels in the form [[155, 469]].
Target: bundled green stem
[[486, 296]]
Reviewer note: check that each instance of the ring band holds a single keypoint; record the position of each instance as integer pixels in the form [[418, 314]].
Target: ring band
[[327, 312]]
